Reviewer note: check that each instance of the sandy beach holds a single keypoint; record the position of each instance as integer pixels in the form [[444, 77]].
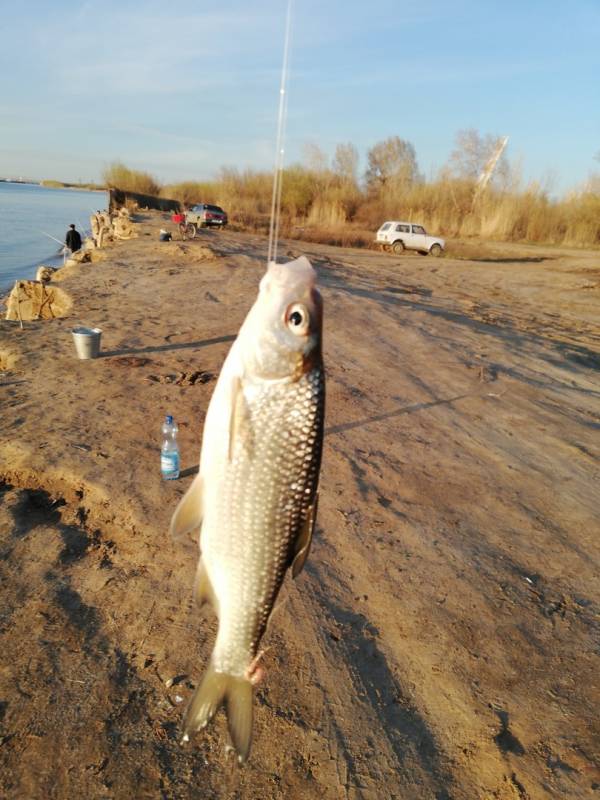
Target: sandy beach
[[443, 641]]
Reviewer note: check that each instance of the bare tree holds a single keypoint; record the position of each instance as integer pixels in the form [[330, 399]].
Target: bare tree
[[345, 162], [592, 185], [473, 152], [314, 157], [392, 161], [490, 167], [593, 182]]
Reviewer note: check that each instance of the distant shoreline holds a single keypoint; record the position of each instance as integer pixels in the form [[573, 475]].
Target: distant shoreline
[[52, 184], [25, 183]]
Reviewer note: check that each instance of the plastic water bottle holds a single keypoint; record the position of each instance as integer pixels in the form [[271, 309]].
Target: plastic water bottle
[[169, 452]]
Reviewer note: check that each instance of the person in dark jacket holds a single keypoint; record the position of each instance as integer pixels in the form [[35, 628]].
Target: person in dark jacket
[[73, 239]]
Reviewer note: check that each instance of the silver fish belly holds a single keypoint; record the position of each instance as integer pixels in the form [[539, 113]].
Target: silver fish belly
[[256, 493], [268, 491]]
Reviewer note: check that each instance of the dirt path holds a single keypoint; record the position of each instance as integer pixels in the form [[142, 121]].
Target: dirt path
[[443, 641]]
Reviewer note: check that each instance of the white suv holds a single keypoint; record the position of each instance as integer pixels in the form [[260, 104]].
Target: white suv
[[400, 236]]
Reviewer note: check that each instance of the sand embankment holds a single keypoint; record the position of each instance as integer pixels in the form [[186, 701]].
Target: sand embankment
[[444, 639]]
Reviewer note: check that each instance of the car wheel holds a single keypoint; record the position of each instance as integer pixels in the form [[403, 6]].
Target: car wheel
[[398, 247], [190, 230], [435, 250]]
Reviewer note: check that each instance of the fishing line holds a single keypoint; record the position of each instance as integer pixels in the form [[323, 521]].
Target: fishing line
[[280, 147]]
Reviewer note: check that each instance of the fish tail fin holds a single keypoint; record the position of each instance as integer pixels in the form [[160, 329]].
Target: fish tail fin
[[205, 701], [236, 694], [239, 715]]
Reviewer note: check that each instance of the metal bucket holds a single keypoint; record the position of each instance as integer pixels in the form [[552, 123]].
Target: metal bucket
[[87, 341]]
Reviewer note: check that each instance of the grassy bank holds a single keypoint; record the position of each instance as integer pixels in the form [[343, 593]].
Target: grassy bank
[[334, 208], [446, 207]]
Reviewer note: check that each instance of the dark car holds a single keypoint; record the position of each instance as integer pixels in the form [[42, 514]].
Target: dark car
[[204, 215]]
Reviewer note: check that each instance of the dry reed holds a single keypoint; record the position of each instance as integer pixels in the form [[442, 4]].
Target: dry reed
[[328, 207]]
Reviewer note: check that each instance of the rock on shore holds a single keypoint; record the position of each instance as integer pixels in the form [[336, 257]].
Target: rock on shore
[[31, 300]]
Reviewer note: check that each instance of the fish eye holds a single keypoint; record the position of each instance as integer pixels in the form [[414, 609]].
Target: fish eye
[[297, 318]]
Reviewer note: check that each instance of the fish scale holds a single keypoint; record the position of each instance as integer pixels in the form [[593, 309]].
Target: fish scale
[[256, 522]]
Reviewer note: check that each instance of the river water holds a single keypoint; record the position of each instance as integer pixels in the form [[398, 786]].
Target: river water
[[29, 212]]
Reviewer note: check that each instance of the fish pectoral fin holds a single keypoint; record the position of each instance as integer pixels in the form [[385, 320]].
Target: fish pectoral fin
[[188, 514], [203, 590], [304, 539], [239, 423]]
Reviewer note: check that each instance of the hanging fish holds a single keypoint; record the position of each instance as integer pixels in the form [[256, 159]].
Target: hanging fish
[[255, 495]]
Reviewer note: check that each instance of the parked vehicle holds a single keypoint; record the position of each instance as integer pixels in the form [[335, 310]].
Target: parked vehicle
[[204, 215], [199, 216], [400, 236]]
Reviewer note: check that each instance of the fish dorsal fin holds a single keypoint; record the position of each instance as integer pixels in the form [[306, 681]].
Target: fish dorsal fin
[[189, 512], [304, 539], [239, 424]]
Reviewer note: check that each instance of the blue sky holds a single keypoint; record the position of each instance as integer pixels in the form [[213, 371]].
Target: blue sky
[[180, 92]]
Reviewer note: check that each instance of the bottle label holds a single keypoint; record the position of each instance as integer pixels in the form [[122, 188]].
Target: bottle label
[[169, 464]]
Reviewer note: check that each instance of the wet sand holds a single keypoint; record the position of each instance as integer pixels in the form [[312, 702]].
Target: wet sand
[[444, 638]]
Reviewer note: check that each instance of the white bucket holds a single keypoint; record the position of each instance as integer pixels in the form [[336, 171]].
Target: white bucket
[[87, 341]]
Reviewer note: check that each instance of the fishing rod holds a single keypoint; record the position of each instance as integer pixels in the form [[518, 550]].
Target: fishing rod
[[62, 244]]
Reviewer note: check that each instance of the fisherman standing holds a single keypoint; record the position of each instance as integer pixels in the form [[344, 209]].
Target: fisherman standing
[[73, 239]]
